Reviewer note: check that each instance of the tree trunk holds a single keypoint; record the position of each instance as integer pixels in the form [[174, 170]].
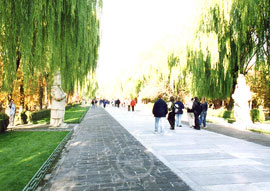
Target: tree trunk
[[231, 102], [22, 96], [40, 96]]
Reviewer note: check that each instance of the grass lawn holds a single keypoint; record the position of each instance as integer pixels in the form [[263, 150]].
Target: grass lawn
[[261, 131], [72, 115], [22, 154]]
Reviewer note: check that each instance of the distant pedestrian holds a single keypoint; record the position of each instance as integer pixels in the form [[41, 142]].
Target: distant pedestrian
[[190, 114], [132, 103], [203, 113], [171, 115], [197, 109], [117, 103], [93, 103], [12, 112], [179, 112], [160, 111], [105, 103]]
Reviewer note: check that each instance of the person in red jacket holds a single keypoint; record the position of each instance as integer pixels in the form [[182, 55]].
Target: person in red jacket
[[132, 104]]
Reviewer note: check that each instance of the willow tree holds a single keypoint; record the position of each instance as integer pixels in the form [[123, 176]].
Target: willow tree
[[242, 32], [41, 37]]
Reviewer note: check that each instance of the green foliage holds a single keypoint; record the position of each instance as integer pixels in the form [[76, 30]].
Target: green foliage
[[222, 113], [23, 117], [208, 80], [257, 115], [35, 116], [73, 114], [4, 121], [260, 131], [242, 33], [43, 37], [228, 114], [22, 154]]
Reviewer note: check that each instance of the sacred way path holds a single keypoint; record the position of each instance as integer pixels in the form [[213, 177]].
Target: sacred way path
[[114, 149]]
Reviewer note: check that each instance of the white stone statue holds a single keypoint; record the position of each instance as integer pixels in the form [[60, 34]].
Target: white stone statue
[[241, 97], [83, 100], [58, 102]]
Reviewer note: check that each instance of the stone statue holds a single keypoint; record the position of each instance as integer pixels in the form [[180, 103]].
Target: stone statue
[[83, 100], [58, 102], [241, 97]]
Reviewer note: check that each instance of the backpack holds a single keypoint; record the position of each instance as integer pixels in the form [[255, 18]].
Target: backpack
[[176, 108]]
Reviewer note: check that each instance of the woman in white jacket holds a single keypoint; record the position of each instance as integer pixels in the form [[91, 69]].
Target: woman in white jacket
[[190, 114]]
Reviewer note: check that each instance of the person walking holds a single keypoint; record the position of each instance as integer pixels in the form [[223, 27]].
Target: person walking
[[132, 103], [203, 113], [179, 112], [171, 115], [12, 113], [190, 114], [160, 110], [197, 109]]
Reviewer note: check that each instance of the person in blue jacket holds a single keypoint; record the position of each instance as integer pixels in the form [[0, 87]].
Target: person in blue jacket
[[179, 112], [159, 111]]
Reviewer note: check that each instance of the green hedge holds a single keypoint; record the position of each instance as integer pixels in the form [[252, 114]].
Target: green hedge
[[40, 114], [228, 114], [27, 116], [4, 121], [257, 115]]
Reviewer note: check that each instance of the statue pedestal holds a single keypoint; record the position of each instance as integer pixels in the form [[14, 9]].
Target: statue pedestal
[[62, 125]]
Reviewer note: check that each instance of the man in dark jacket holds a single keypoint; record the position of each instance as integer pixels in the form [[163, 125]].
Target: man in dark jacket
[[197, 111], [160, 111], [203, 113]]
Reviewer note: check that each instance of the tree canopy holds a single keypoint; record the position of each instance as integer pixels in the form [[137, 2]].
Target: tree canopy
[[40, 37]]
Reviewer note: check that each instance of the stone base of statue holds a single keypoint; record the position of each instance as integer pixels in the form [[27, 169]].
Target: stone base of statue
[[243, 126]]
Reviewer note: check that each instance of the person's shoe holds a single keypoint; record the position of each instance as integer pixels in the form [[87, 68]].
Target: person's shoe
[[155, 132], [180, 125], [205, 127]]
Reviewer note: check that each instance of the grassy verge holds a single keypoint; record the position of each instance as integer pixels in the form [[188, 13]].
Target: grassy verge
[[261, 131], [72, 115], [22, 154]]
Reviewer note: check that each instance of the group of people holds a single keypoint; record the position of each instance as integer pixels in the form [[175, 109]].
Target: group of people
[[196, 113]]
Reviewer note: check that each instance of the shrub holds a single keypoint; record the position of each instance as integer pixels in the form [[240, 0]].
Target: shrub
[[4, 121], [257, 115], [37, 115], [228, 114], [23, 117]]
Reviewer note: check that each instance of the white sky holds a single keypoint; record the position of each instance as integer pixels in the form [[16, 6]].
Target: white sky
[[128, 27]]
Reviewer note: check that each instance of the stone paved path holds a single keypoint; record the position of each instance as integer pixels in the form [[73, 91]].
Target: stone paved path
[[205, 160], [102, 155]]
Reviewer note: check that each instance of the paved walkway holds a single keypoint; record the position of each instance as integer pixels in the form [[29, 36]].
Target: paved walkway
[[102, 155], [205, 160]]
